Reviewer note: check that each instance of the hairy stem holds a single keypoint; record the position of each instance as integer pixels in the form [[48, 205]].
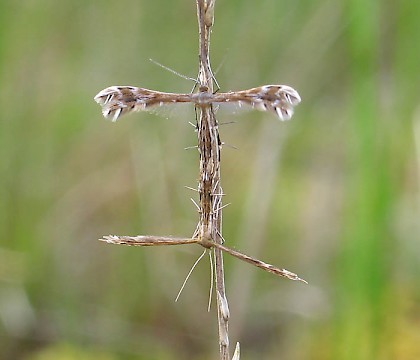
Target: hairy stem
[[209, 188]]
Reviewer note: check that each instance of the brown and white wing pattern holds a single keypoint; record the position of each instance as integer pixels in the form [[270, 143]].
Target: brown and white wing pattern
[[120, 100], [279, 99]]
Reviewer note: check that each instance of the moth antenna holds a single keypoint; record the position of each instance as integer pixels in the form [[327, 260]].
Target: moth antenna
[[195, 85], [221, 64], [217, 85], [229, 146], [189, 274], [172, 71], [227, 123]]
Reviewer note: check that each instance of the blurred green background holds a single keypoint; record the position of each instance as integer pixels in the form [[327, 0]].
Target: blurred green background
[[332, 195]]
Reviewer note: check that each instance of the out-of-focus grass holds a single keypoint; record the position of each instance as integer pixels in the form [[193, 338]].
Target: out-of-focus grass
[[332, 195], [363, 288]]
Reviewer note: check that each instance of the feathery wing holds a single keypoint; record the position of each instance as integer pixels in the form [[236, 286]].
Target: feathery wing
[[120, 100]]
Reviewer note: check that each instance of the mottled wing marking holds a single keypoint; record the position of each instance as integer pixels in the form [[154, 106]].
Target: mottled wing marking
[[119, 100], [280, 99]]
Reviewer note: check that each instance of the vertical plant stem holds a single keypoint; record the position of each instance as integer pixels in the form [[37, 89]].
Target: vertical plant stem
[[209, 188]]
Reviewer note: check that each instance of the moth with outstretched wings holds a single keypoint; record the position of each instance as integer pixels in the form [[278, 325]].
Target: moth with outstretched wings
[[120, 100]]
